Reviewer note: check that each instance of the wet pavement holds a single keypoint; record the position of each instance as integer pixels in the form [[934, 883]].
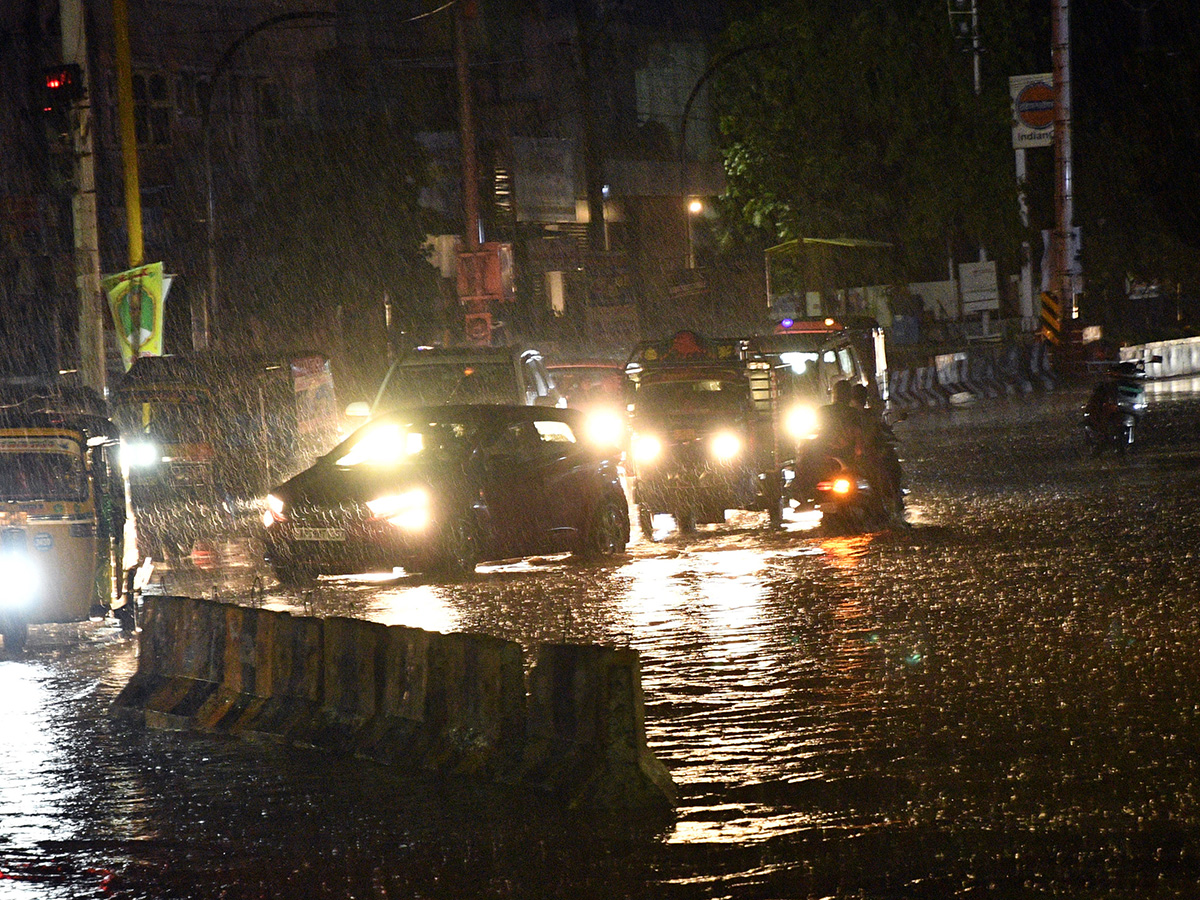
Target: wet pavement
[[999, 701]]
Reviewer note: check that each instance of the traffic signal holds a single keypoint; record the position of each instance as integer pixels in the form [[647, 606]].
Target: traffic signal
[[61, 86], [962, 24]]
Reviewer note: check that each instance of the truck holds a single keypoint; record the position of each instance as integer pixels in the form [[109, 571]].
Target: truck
[[206, 435]]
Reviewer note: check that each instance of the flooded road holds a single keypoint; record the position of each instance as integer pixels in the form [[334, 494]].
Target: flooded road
[[1000, 701]]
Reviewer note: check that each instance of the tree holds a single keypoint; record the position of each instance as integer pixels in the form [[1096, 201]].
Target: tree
[[337, 226], [859, 120]]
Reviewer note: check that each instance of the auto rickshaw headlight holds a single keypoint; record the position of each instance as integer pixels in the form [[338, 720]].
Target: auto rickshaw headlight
[[725, 445], [647, 448], [141, 454], [801, 422], [21, 581], [409, 510]]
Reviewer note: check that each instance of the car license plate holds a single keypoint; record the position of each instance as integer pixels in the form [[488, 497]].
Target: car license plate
[[320, 534]]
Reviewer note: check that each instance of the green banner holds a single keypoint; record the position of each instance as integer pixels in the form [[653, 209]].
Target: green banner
[[136, 299]]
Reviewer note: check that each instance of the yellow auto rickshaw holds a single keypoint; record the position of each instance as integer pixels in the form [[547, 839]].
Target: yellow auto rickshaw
[[62, 515]]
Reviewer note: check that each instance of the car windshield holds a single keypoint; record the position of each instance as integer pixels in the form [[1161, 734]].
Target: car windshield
[[583, 385], [704, 396], [798, 375], [167, 420], [395, 442], [432, 384], [28, 472]]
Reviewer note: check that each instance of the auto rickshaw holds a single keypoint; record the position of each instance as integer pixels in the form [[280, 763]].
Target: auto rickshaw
[[62, 515]]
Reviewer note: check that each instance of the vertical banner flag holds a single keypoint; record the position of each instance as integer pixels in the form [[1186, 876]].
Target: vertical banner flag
[[136, 298]]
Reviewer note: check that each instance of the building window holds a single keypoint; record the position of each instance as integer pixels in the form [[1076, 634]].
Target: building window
[[152, 109]]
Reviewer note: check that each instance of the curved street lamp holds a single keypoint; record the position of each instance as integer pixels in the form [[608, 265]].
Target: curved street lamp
[[221, 67]]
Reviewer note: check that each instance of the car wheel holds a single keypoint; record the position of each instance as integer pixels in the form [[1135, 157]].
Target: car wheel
[[458, 550], [646, 522], [15, 634], [294, 575], [606, 532]]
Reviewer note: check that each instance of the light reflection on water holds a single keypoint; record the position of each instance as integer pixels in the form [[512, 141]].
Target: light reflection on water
[[33, 791]]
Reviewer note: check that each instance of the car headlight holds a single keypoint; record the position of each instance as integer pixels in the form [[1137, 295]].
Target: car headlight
[[21, 581], [276, 510], [141, 454], [725, 445], [409, 510], [604, 428], [647, 448], [801, 422]]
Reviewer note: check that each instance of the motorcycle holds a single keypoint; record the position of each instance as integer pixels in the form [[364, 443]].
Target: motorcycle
[[844, 494], [1114, 410]]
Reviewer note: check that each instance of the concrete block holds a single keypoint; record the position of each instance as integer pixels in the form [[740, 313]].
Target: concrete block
[[587, 730]]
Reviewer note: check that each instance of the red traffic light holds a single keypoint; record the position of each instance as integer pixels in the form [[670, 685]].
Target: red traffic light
[[63, 83]]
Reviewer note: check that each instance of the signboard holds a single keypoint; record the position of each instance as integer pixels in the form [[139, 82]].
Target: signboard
[[1033, 110], [980, 290]]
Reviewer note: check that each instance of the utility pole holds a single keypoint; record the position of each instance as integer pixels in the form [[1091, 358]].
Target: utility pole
[[1064, 280], [92, 364], [466, 126], [129, 157]]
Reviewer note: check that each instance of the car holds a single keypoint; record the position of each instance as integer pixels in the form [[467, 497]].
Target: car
[[438, 489], [425, 376]]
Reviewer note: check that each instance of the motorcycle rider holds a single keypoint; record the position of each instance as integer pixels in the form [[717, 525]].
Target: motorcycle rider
[[853, 432], [880, 452]]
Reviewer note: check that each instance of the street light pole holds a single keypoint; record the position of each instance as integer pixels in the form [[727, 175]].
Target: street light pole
[[202, 314]]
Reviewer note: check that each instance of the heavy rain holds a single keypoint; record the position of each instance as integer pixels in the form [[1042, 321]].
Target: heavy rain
[[998, 700], [530, 324]]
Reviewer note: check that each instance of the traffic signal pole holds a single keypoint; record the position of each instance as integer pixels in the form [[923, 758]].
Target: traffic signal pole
[[83, 205]]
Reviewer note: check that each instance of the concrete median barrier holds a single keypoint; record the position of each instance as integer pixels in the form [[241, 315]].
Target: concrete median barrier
[[587, 730], [438, 704]]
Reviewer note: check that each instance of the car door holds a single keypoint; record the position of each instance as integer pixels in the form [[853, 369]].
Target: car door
[[569, 479], [513, 488]]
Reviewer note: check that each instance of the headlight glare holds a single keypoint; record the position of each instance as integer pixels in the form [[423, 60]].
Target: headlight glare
[[605, 428], [21, 580], [141, 454], [801, 422], [647, 448], [409, 509], [725, 445]]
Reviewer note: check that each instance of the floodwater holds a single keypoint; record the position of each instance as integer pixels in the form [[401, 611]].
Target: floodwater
[[1000, 701]]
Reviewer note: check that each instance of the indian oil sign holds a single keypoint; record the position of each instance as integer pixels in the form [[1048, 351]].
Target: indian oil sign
[[1033, 110]]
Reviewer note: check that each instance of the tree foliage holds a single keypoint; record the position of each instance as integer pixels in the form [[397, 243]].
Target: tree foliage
[[338, 226], [860, 119]]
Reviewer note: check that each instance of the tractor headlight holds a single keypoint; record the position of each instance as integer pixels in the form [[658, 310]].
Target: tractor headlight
[[725, 445], [409, 510]]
